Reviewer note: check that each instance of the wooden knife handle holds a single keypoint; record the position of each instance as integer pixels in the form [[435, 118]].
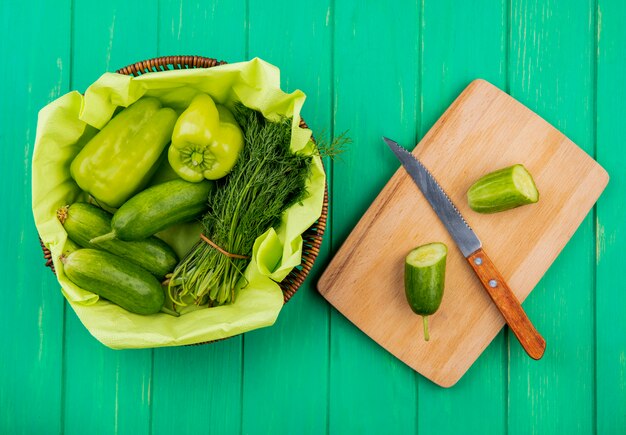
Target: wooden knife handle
[[512, 311]]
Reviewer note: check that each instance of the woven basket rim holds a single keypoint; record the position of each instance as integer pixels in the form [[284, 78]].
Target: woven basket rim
[[312, 237]]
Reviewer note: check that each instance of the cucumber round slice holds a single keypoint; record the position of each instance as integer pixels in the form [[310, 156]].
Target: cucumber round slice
[[503, 190], [424, 279]]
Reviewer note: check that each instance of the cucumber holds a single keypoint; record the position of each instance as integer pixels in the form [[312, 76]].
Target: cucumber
[[83, 221], [111, 277], [503, 190], [424, 279], [157, 208]]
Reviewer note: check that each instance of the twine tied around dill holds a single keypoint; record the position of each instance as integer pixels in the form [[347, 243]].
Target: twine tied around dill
[[221, 250]]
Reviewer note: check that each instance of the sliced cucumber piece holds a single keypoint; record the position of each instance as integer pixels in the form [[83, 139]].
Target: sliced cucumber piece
[[503, 190], [424, 279]]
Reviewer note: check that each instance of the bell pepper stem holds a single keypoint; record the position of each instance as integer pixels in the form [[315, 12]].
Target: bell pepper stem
[[425, 321], [103, 238]]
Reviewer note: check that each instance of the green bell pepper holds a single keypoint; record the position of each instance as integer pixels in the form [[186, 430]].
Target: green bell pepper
[[121, 158], [206, 141]]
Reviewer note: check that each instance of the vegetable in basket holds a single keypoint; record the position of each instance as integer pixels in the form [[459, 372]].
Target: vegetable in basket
[[267, 179], [84, 221], [120, 159], [206, 141], [157, 208], [125, 284]]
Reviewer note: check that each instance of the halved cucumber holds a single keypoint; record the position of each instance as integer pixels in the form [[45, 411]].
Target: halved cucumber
[[424, 279], [503, 190]]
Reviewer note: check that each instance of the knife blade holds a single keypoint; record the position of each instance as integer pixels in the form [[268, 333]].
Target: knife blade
[[470, 246]]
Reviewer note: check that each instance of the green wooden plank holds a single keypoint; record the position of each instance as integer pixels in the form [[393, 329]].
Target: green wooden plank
[[287, 364], [195, 27], [110, 36], [31, 325], [106, 391], [551, 71], [375, 94], [463, 41], [115, 384], [611, 215], [198, 389]]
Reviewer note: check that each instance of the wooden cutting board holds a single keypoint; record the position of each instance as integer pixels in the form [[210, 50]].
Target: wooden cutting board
[[483, 130]]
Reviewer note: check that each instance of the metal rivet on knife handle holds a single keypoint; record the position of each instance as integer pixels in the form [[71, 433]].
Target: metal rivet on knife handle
[[508, 304]]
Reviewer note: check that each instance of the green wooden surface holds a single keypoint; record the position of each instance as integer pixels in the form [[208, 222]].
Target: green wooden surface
[[31, 330], [373, 70], [610, 223]]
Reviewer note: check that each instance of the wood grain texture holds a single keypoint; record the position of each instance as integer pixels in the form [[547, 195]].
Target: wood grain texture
[[201, 385], [31, 325], [610, 298], [551, 71], [483, 130], [289, 360], [508, 305], [115, 384], [463, 41], [217, 29], [197, 388]]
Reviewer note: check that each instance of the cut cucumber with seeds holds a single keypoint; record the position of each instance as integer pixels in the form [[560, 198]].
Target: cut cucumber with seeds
[[424, 279], [503, 190]]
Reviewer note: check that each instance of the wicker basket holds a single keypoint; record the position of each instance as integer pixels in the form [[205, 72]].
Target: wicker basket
[[312, 237]]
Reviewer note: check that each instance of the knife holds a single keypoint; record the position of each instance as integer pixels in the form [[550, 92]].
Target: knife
[[471, 248]]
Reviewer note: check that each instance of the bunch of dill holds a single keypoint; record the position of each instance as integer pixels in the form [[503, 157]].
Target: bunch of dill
[[267, 178]]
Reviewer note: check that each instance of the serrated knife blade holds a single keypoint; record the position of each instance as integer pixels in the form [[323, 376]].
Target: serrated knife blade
[[471, 248], [463, 235]]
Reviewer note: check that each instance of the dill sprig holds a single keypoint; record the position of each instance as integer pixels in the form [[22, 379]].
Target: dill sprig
[[332, 148], [266, 180]]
